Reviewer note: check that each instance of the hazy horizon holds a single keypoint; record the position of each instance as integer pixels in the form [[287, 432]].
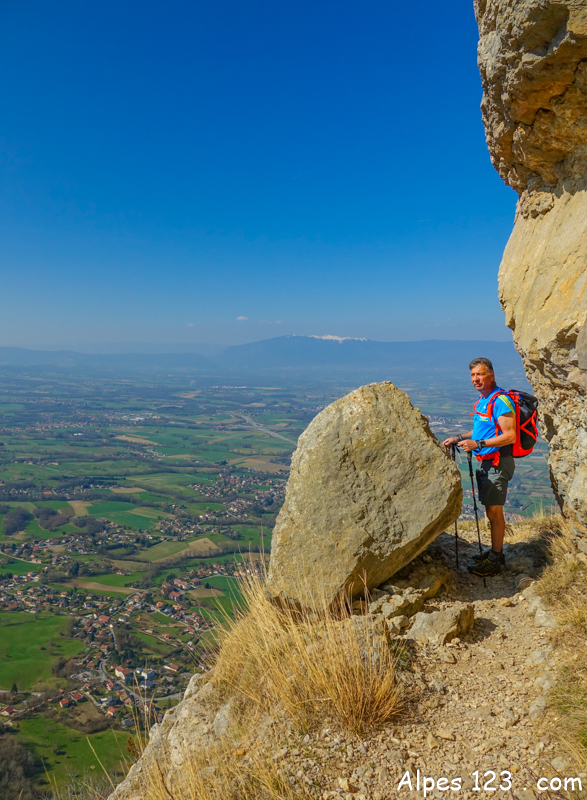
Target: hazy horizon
[[111, 348]]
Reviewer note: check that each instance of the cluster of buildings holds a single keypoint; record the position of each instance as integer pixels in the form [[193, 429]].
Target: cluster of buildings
[[20, 593], [191, 619], [229, 485], [226, 489]]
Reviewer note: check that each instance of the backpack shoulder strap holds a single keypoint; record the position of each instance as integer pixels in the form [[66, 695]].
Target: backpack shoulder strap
[[507, 400], [488, 409]]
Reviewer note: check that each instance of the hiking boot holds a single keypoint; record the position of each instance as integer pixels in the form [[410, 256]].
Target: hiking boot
[[485, 554], [486, 567]]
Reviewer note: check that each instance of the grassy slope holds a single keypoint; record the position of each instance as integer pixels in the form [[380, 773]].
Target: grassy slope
[[564, 586], [161, 550], [26, 654], [43, 735], [116, 580]]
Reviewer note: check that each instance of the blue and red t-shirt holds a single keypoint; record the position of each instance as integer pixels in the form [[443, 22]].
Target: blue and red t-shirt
[[484, 426]]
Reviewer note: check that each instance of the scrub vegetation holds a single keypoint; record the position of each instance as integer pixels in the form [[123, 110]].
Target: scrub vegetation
[[564, 586]]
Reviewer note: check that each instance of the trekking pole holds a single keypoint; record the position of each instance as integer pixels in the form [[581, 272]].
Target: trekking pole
[[470, 460], [453, 455]]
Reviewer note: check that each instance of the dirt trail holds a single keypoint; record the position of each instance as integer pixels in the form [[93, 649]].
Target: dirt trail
[[480, 706]]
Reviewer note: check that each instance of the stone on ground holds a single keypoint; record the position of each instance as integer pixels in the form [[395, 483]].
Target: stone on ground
[[370, 488], [441, 627]]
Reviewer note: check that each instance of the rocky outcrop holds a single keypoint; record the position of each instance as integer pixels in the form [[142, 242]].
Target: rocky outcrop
[[474, 675], [189, 726], [370, 488], [533, 63]]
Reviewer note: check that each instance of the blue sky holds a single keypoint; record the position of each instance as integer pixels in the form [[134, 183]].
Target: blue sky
[[309, 167]]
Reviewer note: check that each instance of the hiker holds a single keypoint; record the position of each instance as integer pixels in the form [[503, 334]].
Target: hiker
[[494, 453]]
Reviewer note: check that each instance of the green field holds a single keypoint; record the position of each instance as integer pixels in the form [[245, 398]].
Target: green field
[[132, 516], [129, 566], [203, 507], [29, 648], [161, 550], [153, 644], [226, 584], [114, 592], [76, 758], [116, 580], [104, 508], [34, 529], [19, 567]]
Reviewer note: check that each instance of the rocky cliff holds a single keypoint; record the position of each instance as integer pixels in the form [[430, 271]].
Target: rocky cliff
[[533, 63]]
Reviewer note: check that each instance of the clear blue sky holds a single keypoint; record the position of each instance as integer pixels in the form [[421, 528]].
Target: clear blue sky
[[314, 167]]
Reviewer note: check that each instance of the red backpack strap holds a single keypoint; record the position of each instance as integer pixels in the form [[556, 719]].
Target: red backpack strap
[[488, 411], [490, 408], [493, 401]]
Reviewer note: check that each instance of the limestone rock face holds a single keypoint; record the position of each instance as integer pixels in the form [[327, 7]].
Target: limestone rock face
[[192, 725], [370, 488], [533, 63]]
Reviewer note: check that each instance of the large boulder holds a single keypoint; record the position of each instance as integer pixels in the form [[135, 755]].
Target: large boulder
[[533, 63], [370, 488]]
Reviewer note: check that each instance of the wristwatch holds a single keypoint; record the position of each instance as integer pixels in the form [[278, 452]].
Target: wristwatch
[[480, 444]]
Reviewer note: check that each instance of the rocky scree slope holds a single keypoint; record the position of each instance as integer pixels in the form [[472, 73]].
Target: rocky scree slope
[[476, 678], [533, 61]]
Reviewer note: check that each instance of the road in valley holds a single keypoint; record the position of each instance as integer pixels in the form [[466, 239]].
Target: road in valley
[[257, 425]]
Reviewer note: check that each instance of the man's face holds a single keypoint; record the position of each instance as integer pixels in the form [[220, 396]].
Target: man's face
[[481, 378]]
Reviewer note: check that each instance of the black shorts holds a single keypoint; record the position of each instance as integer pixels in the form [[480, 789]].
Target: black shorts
[[492, 482]]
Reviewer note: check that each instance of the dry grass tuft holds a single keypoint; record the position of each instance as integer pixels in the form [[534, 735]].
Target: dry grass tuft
[[564, 582], [97, 788], [223, 773], [546, 527], [312, 664], [564, 586], [303, 669], [217, 773], [541, 526]]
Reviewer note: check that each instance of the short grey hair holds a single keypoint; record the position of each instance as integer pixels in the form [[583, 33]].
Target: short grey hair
[[477, 362]]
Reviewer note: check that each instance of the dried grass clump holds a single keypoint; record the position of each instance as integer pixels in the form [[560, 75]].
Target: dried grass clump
[[545, 526], [217, 773], [96, 787], [542, 527], [303, 668], [564, 582], [314, 663], [564, 586], [223, 773]]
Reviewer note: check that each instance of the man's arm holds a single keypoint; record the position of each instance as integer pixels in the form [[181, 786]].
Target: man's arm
[[507, 423]]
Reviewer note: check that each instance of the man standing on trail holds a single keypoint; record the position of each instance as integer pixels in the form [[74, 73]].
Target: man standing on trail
[[491, 439]]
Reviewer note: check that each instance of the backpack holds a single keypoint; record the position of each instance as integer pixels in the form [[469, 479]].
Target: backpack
[[526, 406]]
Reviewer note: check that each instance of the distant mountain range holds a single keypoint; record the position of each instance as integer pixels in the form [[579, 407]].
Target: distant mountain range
[[21, 357], [318, 356], [308, 352]]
